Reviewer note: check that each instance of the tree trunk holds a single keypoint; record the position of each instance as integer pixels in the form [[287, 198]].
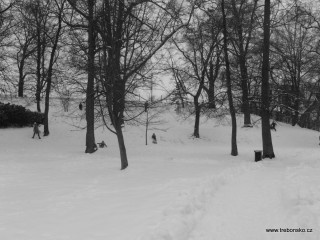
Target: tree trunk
[[242, 53], [38, 73], [197, 109], [90, 139], [234, 148], [49, 74], [122, 147], [147, 125], [38, 97], [245, 92], [118, 109], [265, 101], [211, 96], [21, 79], [46, 109], [21, 87]]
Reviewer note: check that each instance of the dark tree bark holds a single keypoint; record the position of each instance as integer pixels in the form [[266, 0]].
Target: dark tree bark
[[265, 101], [197, 109], [122, 147], [38, 87], [90, 91], [90, 138], [46, 109], [212, 79], [26, 52], [21, 80], [147, 123], [234, 148], [213, 74], [245, 91], [118, 109], [21, 73], [39, 56]]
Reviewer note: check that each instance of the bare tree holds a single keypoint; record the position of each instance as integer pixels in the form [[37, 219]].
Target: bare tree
[[25, 44], [36, 15], [6, 30], [294, 59], [132, 33], [86, 9], [191, 63], [56, 30], [234, 148], [243, 12], [265, 100]]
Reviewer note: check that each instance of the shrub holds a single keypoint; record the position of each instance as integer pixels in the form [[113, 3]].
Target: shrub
[[16, 115], [3, 119]]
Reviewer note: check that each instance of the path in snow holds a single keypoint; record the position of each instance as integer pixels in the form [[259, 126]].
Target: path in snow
[[253, 202]]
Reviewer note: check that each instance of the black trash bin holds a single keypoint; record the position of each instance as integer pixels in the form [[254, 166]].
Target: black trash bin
[[257, 155]]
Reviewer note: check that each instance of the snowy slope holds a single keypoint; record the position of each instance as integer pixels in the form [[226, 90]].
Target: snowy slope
[[180, 189]]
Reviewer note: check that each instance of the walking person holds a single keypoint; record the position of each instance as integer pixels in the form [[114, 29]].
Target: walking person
[[36, 130], [154, 138], [273, 126], [102, 144]]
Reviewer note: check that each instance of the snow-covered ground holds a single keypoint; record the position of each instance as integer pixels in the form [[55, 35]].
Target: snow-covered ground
[[180, 189]]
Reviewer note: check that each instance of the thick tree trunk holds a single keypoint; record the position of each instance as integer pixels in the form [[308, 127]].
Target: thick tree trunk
[[265, 101], [38, 97], [122, 147], [234, 148], [197, 109], [46, 109], [118, 109], [90, 138], [21, 87]]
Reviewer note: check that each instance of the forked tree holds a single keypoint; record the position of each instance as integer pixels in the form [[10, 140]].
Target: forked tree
[[131, 34], [191, 61]]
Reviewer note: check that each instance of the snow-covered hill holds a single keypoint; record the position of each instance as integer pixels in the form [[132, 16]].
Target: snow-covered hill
[[179, 189]]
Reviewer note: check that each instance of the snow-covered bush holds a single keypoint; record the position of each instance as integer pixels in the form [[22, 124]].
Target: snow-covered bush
[[16, 115]]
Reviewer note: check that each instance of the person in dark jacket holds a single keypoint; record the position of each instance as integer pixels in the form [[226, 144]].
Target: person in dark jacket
[[273, 126], [36, 130], [154, 138], [102, 144]]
